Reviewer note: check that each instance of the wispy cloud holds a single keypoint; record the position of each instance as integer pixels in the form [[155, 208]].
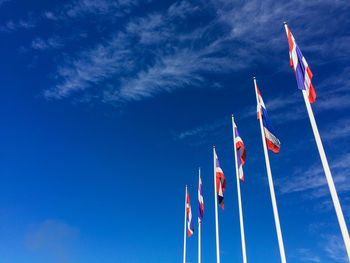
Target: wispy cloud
[[164, 50], [53, 238], [169, 67], [256, 20], [44, 44], [178, 58], [206, 130], [337, 130], [74, 10], [313, 178], [306, 255], [79, 8], [92, 66], [334, 247], [203, 131], [11, 25]]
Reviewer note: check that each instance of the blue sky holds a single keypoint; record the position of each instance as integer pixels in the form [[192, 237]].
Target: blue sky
[[109, 108]]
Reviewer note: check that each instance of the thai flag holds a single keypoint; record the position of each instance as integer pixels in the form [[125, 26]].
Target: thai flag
[[302, 71], [200, 201], [220, 181], [240, 151], [190, 228], [272, 141]]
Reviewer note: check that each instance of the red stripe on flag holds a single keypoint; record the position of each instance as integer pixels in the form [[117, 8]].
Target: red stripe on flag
[[272, 146]]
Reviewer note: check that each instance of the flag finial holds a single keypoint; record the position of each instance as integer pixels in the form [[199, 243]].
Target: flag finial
[[254, 77], [232, 115], [214, 146], [284, 23]]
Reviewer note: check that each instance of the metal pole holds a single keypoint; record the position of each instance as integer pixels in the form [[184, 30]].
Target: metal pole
[[199, 229], [216, 213], [272, 190], [184, 258], [239, 196], [327, 171]]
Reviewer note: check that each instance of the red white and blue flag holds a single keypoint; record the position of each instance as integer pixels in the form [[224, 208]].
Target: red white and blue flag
[[240, 152], [200, 201], [302, 70], [190, 228], [272, 141], [220, 181]]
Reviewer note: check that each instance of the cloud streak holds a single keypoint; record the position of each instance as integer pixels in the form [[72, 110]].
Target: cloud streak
[[168, 67], [313, 178], [53, 239], [45, 44], [335, 249], [181, 45], [178, 58]]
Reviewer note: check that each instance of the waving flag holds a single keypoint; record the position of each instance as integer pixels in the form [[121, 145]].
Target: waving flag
[[190, 228], [220, 181], [272, 141], [240, 151], [200, 201], [302, 70]]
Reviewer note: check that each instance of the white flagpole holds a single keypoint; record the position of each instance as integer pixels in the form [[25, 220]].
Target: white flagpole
[[216, 213], [199, 230], [184, 261], [269, 176], [239, 197], [327, 171]]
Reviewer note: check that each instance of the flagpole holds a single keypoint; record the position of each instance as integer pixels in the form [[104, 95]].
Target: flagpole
[[239, 197], [269, 176], [216, 213], [327, 171], [184, 261], [199, 229]]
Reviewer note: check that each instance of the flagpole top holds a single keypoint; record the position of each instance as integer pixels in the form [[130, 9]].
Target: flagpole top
[[214, 147], [254, 78], [232, 115], [284, 23]]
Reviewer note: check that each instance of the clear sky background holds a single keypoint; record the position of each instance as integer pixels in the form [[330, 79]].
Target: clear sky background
[[108, 108]]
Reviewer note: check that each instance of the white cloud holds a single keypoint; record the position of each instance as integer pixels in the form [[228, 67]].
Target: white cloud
[[92, 66], [204, 130], [337, 130], [172, 67], [335, 249], [102, 7], [53, 239], [73, 10], [11, 25], [44, 44], [306, 255], [314, 179], [226, 42], [173, 64]]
